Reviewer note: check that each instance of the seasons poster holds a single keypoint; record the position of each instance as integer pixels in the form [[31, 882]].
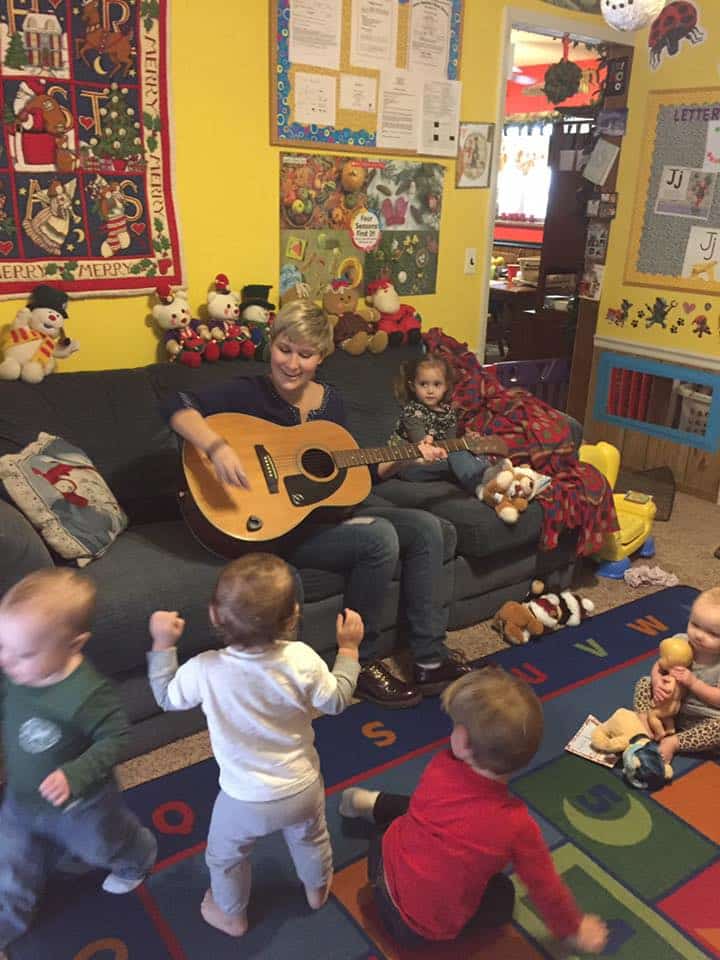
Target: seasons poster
[[361, 219]]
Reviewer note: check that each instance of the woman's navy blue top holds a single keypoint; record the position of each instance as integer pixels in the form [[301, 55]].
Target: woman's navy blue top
[[257, 397]]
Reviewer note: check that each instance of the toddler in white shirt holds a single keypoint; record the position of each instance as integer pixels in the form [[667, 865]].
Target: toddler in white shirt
[[258, 694]]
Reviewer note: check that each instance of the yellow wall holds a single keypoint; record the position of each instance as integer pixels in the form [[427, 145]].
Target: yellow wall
[[226, 175], [692, 66]]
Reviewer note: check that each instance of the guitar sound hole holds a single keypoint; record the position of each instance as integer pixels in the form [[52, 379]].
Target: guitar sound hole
[[318, 463]]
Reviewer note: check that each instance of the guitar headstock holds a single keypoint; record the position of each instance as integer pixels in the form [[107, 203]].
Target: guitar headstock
[[477, 443]]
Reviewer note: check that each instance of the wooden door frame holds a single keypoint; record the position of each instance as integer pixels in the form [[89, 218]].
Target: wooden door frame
[[540, 22]]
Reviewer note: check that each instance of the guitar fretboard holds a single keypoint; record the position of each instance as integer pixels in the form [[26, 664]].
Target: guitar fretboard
[[392, 452]]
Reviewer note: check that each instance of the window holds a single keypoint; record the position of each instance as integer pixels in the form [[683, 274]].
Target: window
[[524, 175]]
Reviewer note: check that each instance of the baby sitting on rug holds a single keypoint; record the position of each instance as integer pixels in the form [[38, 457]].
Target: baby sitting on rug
[[698, 720]]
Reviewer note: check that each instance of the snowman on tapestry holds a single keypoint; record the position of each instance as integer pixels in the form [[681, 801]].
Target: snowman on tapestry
[[109, 204]]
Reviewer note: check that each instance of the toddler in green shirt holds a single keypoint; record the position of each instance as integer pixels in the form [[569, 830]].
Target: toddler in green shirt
[[63, 731]]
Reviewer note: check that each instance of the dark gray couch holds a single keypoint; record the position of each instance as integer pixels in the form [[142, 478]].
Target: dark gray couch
[[113, 416]]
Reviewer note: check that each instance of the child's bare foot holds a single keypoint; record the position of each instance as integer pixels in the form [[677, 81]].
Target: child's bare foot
[[668, 747], [212, 914], [317, 896]]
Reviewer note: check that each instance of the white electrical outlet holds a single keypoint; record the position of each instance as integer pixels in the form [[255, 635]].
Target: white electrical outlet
[[470, 260]]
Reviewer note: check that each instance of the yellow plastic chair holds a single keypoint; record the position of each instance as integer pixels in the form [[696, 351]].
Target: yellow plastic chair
[[635, 519]]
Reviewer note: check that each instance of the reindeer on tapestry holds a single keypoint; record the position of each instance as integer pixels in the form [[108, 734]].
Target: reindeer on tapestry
[[112, 42]]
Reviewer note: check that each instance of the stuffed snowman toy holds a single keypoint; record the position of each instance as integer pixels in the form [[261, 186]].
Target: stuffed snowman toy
[[630, 14], [36, 339]]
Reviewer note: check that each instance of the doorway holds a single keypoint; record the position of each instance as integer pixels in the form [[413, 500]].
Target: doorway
[[536, 238]]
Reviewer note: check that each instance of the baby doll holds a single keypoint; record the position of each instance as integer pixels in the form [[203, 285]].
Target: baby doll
[[674, 652]]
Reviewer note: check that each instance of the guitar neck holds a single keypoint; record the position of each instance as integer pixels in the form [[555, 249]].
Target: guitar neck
[[391, 453]]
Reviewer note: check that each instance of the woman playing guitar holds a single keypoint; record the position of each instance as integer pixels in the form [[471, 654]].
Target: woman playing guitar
[[365, 547]]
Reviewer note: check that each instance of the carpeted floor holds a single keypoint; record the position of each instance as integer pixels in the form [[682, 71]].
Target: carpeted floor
[[649, 864], [685, 546]]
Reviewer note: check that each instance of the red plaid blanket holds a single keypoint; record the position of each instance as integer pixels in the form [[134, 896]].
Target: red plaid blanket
[[536, 433]]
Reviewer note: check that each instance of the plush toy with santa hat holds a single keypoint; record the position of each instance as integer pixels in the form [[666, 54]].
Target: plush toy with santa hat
[[223, 307], [186, 341], [400, 321]]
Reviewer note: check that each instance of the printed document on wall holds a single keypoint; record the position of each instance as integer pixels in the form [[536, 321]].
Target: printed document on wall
[[373, 34], [315, 98], [315, 33], [398, 110], [429, 40], [440, 117]]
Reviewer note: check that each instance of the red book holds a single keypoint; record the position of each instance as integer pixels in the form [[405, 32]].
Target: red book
[[624, 402], [614, 391], [633, 400], [646, 379]]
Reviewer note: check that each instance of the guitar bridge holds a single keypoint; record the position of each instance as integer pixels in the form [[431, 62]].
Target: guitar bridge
[[267, 465]]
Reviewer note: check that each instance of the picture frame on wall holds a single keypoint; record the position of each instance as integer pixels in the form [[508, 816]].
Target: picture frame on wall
[[475, 154]]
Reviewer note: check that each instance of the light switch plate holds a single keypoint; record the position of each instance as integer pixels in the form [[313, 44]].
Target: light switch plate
[[470, 260]]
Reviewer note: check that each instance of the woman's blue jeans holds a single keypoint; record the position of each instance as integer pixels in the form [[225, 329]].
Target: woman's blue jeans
[[366, 549]]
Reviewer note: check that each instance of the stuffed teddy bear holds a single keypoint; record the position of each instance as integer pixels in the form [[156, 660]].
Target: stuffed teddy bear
[[399, 321], [223, 307], [675, 651], [36, 339], [186, 341], [258, 314], [503, 492], [516, 623], [353, 332]]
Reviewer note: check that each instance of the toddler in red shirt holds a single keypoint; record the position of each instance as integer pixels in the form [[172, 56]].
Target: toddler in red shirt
[[436, 859]]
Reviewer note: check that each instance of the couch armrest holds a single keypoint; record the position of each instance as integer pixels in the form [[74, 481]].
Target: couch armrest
[[21, 548]]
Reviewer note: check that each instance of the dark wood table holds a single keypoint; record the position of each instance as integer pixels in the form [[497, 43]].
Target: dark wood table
[[531, 334]]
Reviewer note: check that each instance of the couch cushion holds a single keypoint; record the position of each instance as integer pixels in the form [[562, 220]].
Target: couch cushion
[[480, 532], [112, 415], [21, 547], [57, 487]]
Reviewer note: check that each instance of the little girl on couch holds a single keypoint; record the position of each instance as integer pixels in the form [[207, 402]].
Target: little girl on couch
[[424, 386]]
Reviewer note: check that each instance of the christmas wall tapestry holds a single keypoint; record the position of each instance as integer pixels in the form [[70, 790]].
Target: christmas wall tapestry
[[85, 162], [359, 219]]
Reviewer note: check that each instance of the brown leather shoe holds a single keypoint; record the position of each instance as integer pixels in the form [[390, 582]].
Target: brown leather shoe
[[378, 685], [432, 680]]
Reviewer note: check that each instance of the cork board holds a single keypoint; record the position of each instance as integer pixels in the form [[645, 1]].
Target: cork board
[[675, 237], [354, 130]]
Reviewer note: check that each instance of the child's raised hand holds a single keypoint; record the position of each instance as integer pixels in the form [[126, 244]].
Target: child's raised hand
[[55, 788], [349, 630], [684, 677], [166, 628], [591, 936]]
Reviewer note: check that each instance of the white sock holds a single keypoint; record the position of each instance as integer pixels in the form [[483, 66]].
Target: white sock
[[115, 884], [356, 802]]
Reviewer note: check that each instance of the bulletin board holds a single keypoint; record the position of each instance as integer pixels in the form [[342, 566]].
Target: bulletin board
[[675, 237], [354, 130]]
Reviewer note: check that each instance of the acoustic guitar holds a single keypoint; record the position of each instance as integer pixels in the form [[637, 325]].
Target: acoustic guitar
[[292, 471]]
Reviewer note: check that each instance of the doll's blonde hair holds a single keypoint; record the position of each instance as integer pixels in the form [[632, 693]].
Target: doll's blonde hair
[[409, 369], [303, 321], [502, 715]]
